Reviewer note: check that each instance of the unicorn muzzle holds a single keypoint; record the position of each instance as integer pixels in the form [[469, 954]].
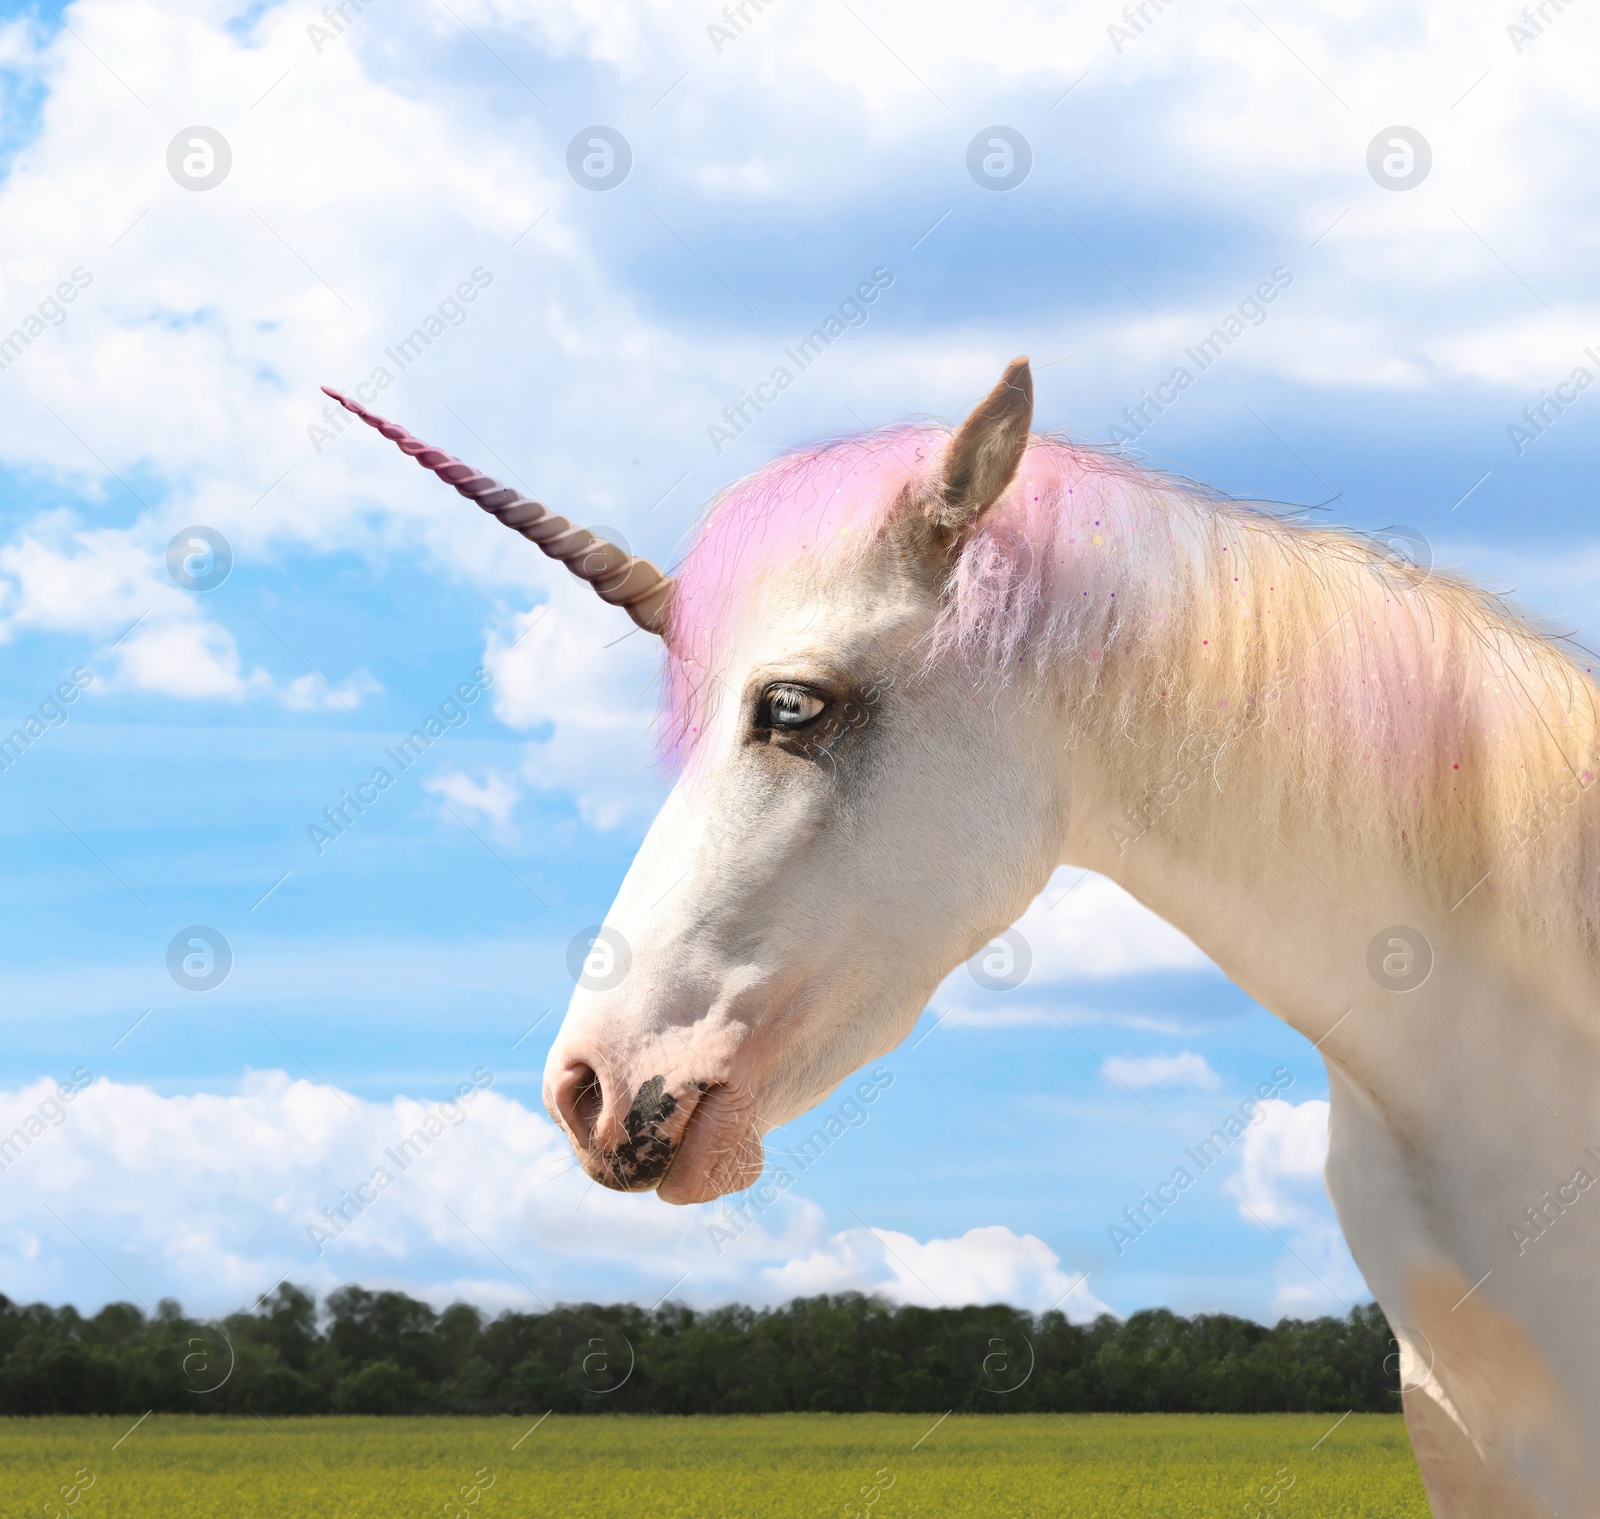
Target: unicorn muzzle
[[687, 1139], [624, 1143]]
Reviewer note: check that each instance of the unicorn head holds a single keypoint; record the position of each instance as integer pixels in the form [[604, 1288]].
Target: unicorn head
[[794, 903]]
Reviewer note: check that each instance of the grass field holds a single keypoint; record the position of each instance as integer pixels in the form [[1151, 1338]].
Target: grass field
[[777, 1466]]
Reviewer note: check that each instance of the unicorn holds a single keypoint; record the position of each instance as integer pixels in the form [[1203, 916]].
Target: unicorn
[[909, 674]]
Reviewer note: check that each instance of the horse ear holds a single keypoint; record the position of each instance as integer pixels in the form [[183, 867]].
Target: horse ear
[[984, 454]]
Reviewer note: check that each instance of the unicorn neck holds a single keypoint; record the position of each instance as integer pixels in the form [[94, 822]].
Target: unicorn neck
[[1285, 743], [1364, 793], [1252, 689]]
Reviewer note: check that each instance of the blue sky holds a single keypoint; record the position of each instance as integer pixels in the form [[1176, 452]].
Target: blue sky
[[370, 175]]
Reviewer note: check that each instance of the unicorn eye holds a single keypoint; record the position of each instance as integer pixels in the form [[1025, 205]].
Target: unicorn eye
[[791, 706]]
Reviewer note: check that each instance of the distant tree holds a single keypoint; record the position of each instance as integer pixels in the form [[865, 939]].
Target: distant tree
[[387, 1353], [381, 1388]]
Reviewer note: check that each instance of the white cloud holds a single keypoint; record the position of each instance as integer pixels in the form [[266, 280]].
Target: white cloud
[[1281, 1164], [1081, 927], [985, 1265], [1279, 1186], [191, 659], [58, 577], [1085, 926], [1159, 1071], [571, 668], [312, 693], [214, 1197], [1289, 145], [211, 1197], [494, 799]]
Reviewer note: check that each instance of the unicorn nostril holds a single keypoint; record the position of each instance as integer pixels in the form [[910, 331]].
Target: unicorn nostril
[[580, 1099]]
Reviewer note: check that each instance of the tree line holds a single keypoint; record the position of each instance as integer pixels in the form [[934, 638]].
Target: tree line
[[386, 1353]]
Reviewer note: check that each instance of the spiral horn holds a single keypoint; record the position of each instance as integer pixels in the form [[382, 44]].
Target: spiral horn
[[618, 577]]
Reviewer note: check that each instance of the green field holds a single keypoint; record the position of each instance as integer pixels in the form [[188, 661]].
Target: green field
[[774, 1466]]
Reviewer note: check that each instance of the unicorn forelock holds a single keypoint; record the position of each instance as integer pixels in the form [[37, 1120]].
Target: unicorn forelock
[[815, 511]]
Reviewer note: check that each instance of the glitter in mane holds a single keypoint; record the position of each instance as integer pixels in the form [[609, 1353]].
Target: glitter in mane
[[1307, 668]]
